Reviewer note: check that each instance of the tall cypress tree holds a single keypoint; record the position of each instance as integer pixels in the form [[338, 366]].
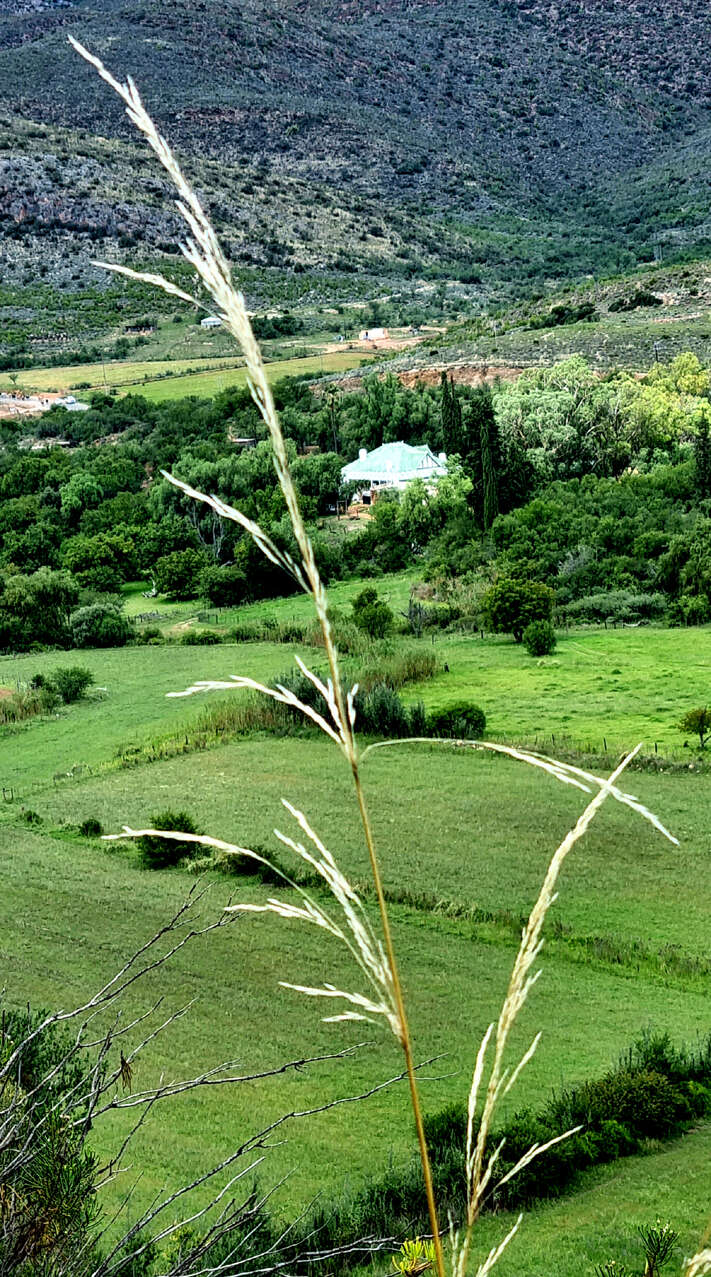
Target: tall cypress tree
[[490, 468], [452, 425], [483, 460], [702, 458]]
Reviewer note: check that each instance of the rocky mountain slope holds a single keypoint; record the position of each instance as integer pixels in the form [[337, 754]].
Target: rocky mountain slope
[[498, 142]]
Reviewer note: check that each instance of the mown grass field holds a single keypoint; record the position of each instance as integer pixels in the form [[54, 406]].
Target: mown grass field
[[615, 686], [464, 829], [600, 1221], [170, 379], [206, 384]]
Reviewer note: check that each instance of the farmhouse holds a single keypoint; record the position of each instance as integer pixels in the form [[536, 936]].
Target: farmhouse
[[373, 334], [212, 321], [393, 465]]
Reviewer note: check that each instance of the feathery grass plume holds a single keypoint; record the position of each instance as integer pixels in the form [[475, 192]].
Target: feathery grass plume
[[202, 250], [699, 1265], [479, 1171], [357, 934], [375, 957]]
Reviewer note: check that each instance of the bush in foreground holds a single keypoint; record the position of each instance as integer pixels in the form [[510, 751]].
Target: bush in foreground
[[459, 722], [163, 853], [71, 682], [539, 638]]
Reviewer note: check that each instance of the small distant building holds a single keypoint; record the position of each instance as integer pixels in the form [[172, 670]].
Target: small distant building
[[211, 321], [72, 404], [374, 334], [393, 465]]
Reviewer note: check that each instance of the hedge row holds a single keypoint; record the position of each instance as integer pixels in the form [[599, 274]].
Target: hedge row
[[656, 1092]]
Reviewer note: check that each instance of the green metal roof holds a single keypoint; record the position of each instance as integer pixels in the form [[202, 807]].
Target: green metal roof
[[394, 461]]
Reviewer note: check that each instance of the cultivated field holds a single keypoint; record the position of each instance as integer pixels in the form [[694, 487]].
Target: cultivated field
[[464, 840], [170, 379]]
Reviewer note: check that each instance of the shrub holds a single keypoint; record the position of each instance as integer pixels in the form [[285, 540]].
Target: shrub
[[99, 625], [201, 638], [380, 712], [539, 638], [91, 828], [71, 682], [616, 605], [163, 853], [697, 722], [510, 605], [223, 587], [645, 1102], [151, 634], [22, 705], [371, 614], [459, 722]]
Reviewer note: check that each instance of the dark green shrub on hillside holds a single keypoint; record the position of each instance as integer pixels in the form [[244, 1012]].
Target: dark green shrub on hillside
[[201, 638], [697, 722], [510, 605], [642, 297], [616, 605], [177, 575], [380, 712], [539, 638], [99, 625], [223, 587], [151, 634], [71, 682], [163, 853], [371, 614], [91, 828], [459, 722]]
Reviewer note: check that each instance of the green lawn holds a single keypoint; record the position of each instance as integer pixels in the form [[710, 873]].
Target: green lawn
[[600, 1221], [619, 686], [127, 706], [461, 827]]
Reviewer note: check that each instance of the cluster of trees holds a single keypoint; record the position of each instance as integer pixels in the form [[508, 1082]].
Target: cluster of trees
[[583, 483]]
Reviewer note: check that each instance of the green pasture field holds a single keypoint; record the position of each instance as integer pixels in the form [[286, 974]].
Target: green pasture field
[[459, 825], [616, 686], [127, 705], [122, 373], [394, 588], [170, 379], [600, 1221], [468, 830], [72, 911]]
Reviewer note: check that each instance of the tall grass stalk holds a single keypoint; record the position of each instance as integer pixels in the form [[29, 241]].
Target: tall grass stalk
[[373, 955]]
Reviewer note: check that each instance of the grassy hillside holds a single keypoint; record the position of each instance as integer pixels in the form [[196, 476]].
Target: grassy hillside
[[446, 964], [464, 840], [174, 380]]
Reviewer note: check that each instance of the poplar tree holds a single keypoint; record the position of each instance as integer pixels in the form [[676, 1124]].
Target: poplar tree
[[702, 458], [453, 439]]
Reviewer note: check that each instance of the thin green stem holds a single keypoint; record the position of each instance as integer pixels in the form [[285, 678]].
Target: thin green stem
[[402, 1016]]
